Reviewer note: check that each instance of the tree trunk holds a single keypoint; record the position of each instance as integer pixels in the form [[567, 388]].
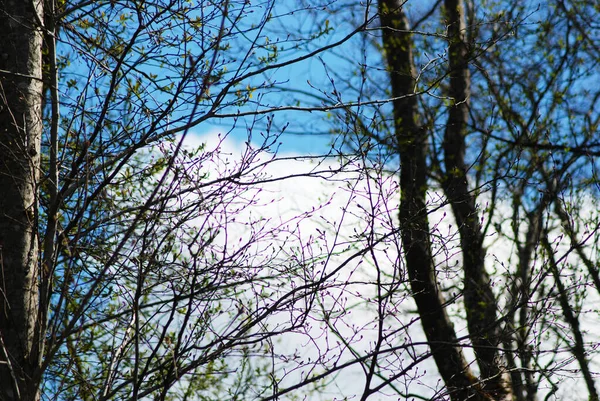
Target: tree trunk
[[20, 136], [480, 302], [412, 147]]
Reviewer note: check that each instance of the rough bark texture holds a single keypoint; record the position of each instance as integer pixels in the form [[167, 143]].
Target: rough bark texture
[[480, 302], [411, 142], [20, 134]]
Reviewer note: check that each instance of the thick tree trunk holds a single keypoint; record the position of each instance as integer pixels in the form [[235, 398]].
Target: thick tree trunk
[[412, 146], [20, 135]]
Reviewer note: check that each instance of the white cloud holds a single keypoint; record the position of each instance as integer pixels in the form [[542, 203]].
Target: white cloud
[[323, 218]]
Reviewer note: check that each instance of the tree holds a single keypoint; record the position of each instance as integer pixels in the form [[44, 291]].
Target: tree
[[120, 276], [21, 132], [479, 300], [518, 150], [455, 259], [490, 129]]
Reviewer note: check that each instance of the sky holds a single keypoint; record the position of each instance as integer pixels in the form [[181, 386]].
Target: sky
[[336, 214]]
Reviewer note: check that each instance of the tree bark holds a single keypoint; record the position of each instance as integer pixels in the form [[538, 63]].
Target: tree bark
[[480, 302], [412, 147], [20, 137]]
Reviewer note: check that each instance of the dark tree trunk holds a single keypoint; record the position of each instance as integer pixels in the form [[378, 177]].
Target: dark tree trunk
[[480, 302], [411, 147], [20, 135]]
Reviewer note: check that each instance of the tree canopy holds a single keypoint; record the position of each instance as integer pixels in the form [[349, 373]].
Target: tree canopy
[[262, 200]]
